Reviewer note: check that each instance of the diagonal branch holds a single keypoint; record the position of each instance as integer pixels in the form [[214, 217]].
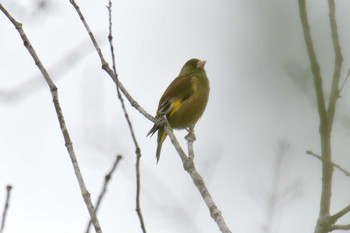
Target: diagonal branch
[[346, 79], [108, 70], [108, 178], [6, 207], [190, 138], [64, 129], [340, 214], [340, 227], [197, 179], [327, 161]]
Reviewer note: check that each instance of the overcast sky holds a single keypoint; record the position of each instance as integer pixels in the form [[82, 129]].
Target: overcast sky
[[261, 108]]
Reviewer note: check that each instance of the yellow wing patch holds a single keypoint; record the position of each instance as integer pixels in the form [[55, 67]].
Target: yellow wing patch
[[175, 106]]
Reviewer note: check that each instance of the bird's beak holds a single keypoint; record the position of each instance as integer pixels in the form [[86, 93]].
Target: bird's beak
[[201, 64]]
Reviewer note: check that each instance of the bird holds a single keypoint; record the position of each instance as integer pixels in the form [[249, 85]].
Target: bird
[[183, 101]]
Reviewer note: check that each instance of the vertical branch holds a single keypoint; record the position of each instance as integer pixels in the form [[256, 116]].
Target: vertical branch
[[315, 67], [324, 126], [64, 129], [6, 207], [324, 129], [338, 61], [326, 116], [121, 99]]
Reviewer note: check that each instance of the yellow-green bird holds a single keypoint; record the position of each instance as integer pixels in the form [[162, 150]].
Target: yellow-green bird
[[184, 101]]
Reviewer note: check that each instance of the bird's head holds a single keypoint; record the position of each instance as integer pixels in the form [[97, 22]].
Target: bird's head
[[193, 65]]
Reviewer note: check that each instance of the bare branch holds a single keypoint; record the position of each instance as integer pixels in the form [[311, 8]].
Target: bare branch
[[137, 148], [109, 71], [346, 79], [327, 161], [189, 166], [108, 178], [164, 122], [315, 68], [340, 214], [326, 121], [338, 60], [190, 138], [64, 129], [340, 227], [6, 207]]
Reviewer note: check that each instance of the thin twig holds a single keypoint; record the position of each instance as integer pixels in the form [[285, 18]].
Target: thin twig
[[346, 79], [108, 70], [330, 162], [108, 178], [64, 129], [137, 148], [189, 166], [6, 207]]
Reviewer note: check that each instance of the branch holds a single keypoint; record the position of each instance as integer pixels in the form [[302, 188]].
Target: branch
[[7, 203], [108, 178], [190, 138], [340, 227], [315, 68], [164, 122], [64, 129], [338, 60], [340, 214], [189, 166], [108, 70], [121, 99], [325, 122], [327, 161], [346, 79]]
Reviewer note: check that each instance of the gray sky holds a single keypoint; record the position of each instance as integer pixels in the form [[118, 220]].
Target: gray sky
[[261, 95]]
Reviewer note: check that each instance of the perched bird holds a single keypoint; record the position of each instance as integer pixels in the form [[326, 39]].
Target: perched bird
[[184, 101]]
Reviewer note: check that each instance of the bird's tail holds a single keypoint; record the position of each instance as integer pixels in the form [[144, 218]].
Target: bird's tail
[[153, 130], [161, 137]]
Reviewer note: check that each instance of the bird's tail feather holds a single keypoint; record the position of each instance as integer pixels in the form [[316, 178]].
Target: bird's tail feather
[[153, 130], [161, 137]]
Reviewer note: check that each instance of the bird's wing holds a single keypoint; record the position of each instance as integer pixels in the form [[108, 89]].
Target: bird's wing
[[177, 92]]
